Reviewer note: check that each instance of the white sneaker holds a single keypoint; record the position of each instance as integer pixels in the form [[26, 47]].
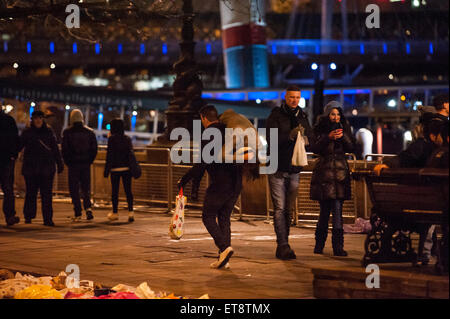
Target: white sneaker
[[130, 217], [113, 216], [225, 256], [215, 265]]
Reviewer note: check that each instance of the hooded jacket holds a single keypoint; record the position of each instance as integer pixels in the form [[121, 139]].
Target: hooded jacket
[[79, 145], [331, 174]]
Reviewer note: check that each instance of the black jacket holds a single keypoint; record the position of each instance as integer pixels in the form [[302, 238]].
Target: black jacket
[[331, 174], [41, 153], [415, 156], [118, 152], [224, 177], [79, 145], [9, 138], [285, 120]]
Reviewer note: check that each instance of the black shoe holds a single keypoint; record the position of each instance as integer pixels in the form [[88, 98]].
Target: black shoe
[[284, 252], [318, 250], [89, 215], [27, 220], [338, 243], [291, 253], [321, 237], [49, 223], [12, 220]]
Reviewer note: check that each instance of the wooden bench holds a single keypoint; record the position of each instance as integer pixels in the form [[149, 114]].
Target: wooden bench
[[405, 201]]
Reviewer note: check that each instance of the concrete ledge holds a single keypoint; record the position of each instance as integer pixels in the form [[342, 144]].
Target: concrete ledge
[[349, 283]]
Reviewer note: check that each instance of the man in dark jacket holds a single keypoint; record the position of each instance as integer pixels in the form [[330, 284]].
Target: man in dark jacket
[[41, 155], [289, 119], [222, 193], [79, 149], [9, 147]]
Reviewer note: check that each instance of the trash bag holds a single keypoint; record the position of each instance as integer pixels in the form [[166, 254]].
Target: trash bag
[[143, 291], [176, 229], [361, 226], [246, 143], [118, 295], [38, 292]]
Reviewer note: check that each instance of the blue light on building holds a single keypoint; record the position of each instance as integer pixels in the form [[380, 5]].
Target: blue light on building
[[208, 48], [100, 121], [408, 48], [274, 49], [164, 48], [296, 49], [97, 48], [5, 46], [263, 95], [361, 48], [74, 48], [142, 48], [431, 48], [119, 48], [28, 47], [52, 47], [385, 48]]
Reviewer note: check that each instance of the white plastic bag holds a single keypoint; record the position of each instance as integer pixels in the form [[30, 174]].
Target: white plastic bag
[[176, 229], [299, 157]]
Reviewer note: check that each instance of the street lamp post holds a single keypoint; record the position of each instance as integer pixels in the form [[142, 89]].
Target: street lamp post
[[187, 87]]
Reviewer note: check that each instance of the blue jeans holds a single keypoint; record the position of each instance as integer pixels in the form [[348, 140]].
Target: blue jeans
[[283, 189], [327, 206]]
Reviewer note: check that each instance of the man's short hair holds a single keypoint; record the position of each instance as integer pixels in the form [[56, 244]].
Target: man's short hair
[[293, 88], [439, 101], [210, 112]]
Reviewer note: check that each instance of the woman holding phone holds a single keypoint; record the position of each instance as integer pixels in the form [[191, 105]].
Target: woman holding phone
[[330, 183]]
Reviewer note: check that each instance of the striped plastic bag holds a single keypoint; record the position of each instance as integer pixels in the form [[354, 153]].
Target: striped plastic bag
[[176, 227]]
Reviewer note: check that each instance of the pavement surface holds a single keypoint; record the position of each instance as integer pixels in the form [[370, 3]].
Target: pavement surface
[[131, 253]]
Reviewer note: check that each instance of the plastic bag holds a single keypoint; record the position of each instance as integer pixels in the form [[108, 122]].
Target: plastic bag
[[176, 229], [38, 292], [361, 226], [299, 157], [143, 291]]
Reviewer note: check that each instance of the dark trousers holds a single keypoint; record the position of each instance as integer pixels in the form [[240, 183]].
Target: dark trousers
[[115, 182], [43, 184], [327, 206], [80, 179], [217, 209], [7, 185]]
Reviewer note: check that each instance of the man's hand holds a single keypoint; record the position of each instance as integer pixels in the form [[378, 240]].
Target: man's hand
[[294, 132], [378, 168]]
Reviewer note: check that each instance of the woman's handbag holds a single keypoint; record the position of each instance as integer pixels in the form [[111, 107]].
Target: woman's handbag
[[299, 157], [135, 168]]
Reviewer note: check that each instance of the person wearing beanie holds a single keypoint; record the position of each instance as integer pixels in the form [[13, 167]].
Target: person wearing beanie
[[118, 165], [40, 157], [330, 182], [79, 149]]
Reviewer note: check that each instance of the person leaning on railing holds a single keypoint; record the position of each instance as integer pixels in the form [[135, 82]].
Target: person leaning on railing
[[331, 182]]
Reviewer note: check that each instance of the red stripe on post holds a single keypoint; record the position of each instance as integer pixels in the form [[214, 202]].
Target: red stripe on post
[[243, 35]]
